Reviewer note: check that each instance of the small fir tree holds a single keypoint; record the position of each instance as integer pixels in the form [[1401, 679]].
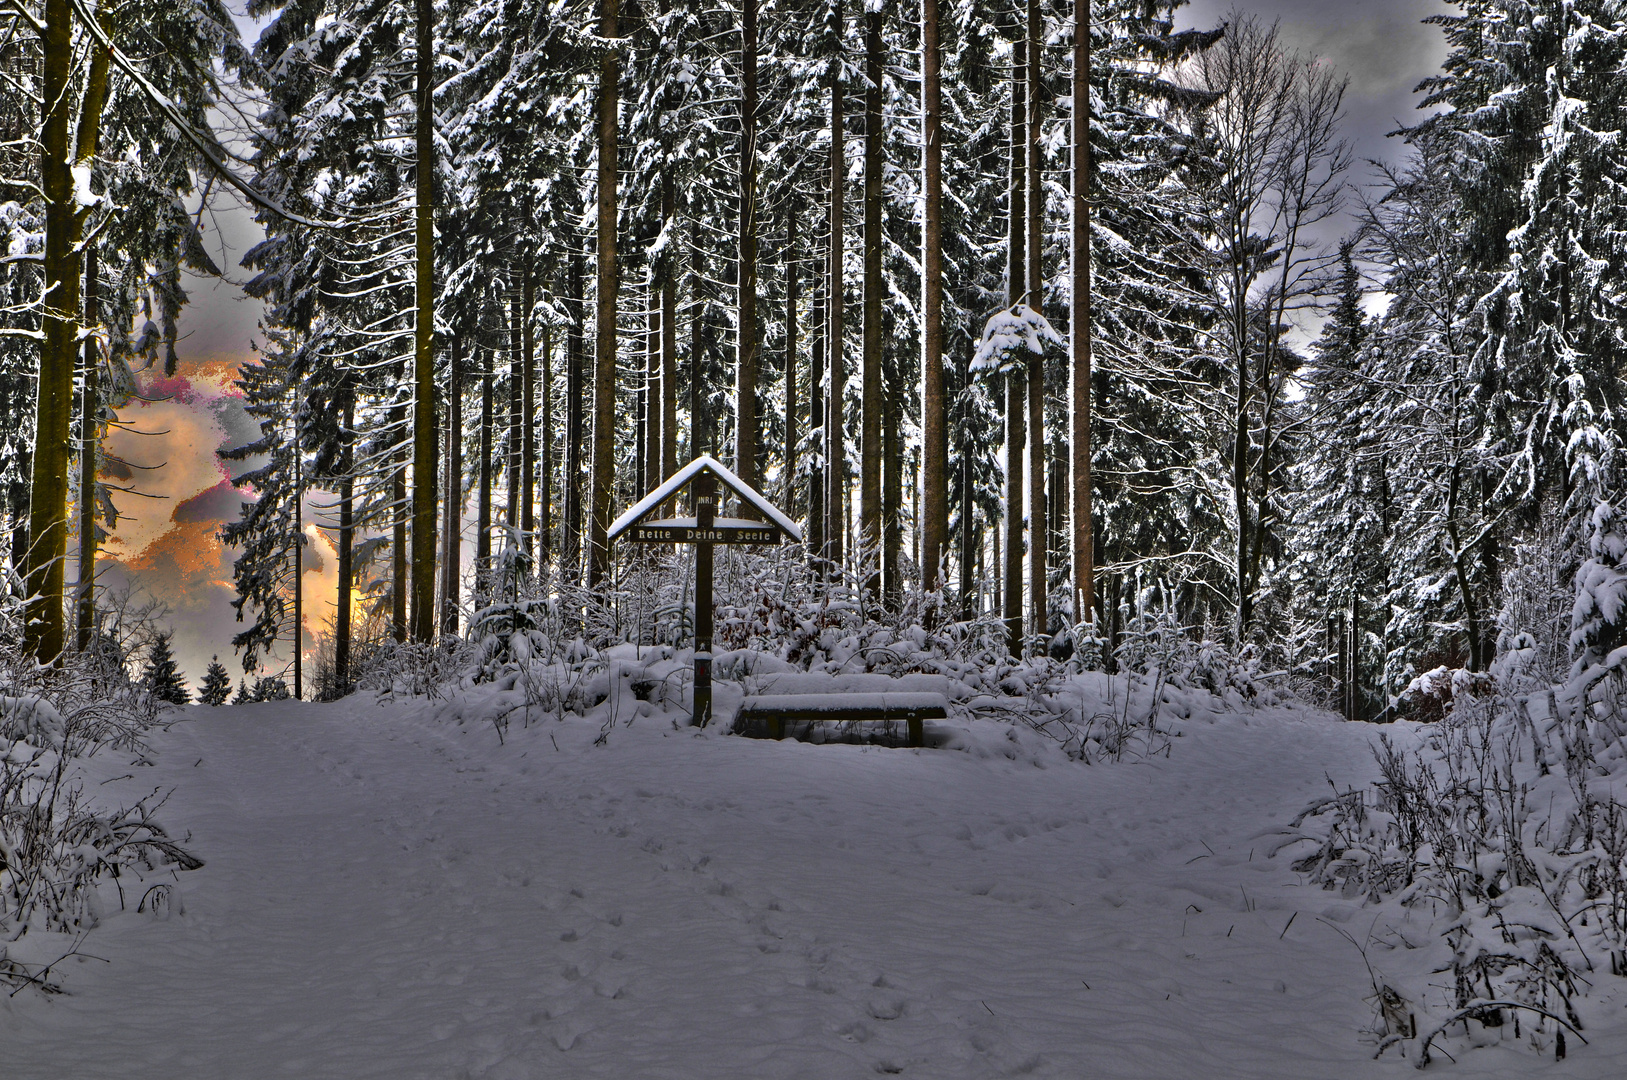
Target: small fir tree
[[242, 697], [270, 688], [163, 678], [217, 685]]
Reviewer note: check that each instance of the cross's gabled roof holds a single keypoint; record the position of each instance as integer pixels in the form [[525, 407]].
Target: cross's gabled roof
[[682, 478]]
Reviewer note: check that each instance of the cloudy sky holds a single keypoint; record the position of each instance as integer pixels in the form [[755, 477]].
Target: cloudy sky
[[1382, 45], [167, 546]]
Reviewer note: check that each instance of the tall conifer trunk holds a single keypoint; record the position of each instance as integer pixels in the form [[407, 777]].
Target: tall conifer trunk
[[87, 141], [347, 540], [669, 336], [399, 587], [516, 410], [971, 548], [818, 418], [652, 387], [746, 435], [483, 520], [424, 473], [89, 439], [1084, 543], [669, 268], [44, 630], [872, 400], [451, 542], [835, 449], [545, 469], [609, 280], [299, 560], [528, 416], [1039, 533], [892, 485], [934, 523], [699, 423], [575, 378], [793, 278], [1016, 402]]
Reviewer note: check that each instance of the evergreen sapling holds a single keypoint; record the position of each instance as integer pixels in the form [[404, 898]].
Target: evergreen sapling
[[162, 677], [217, 685]]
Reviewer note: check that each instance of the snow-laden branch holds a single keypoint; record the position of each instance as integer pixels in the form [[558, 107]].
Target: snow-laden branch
[[1010, 331], [204, 143]]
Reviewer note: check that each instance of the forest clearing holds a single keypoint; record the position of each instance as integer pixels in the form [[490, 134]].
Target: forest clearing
[[390, 892], [1148, 595]]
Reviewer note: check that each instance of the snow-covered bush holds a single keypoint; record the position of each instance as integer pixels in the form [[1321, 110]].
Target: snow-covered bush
[[1500, 831], [544, 648], [1599, 617], [59, 848]]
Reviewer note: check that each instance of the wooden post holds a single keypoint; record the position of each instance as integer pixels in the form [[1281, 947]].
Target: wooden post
[[705, 515]]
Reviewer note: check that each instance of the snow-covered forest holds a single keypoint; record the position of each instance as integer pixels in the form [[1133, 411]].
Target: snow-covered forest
[[1113, 404], [518, 275]]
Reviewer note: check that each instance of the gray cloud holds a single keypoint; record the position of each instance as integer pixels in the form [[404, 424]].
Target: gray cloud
[[1382, 45], [223, 502]]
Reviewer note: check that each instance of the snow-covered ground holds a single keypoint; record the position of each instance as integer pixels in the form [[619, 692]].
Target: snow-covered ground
[[391, 894]]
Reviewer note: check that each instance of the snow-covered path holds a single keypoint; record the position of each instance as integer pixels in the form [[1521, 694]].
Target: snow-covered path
[[390, 897]]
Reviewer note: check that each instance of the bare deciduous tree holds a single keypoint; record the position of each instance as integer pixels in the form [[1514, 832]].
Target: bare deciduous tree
[[1272, 133]]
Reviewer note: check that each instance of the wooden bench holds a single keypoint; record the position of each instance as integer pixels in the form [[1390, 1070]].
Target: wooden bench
[[912, 707]]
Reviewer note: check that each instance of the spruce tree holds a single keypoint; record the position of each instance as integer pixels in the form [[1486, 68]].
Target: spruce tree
[[242, 697], [217, 685], [162, 677]]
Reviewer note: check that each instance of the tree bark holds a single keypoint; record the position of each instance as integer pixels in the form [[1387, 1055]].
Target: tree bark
[[1039, 534], [575, 378], [699, 422], [399, 587], [835, 450], [528, 417], [934, 524], [609, 282], [516, 410], [424, 473], [483, 522], [1355, 712], [89, 440], [871, 407], [669, 335], [641, 409], [545, 468], [971, 549], [746, 435], [892, 486], [1084, 544], [451, 561], [649, 393], [347, 541], [44, 629], [818, 418], [788, 486], [87, 141], [299, 560], [1016, 383]]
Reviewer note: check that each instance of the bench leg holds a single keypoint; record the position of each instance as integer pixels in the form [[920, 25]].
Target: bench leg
[[776, 728], [917, 731]]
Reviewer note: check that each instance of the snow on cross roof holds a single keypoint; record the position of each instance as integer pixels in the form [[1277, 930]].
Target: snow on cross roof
[[678, 480]]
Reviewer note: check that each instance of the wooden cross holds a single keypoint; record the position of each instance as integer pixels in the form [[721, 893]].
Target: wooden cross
[[704, 530]]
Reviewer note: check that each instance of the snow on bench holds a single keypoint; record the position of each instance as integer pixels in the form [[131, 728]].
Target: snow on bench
[[846, 707], [813, 682]]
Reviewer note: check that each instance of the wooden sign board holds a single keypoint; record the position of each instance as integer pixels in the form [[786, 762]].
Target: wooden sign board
[[687, 532]]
